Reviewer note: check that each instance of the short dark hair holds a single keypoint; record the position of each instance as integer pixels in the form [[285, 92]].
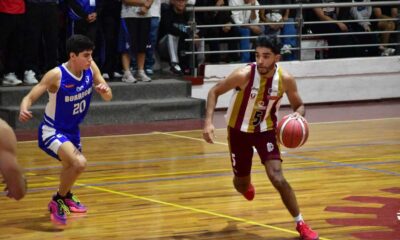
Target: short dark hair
[[270, 42], [78, 43]]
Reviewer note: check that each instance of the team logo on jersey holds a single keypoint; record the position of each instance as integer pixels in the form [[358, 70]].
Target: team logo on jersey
[[80, 88], [270, 147], [69, 85], [261, 105], [254, 92]]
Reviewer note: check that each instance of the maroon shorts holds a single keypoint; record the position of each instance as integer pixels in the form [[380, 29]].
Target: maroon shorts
[[241, 149]]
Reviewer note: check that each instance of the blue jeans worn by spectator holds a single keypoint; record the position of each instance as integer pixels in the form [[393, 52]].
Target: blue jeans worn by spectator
[[290, 29], [244, 43], [149, 62]]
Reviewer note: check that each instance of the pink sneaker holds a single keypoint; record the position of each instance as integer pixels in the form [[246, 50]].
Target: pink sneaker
[[306, 233], [75, 205], [250, 193], [58, 211]]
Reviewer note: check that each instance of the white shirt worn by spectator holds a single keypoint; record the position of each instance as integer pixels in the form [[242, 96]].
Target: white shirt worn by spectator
[[362, 13], [155, 9], [132, 12], [243, 16]]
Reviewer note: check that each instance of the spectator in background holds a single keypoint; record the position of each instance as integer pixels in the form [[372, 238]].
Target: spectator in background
[[110, 19], [173, 32], [155, 12], [273, 16], [217, 17], [11, 40], [330, 14], [245, 17], [386, 12], [136, 20], [83, 17], [41, 33], [363, 13], [280, 16]]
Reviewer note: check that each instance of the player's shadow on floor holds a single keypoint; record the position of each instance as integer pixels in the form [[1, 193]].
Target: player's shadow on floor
[[44, 224], [229, 232]]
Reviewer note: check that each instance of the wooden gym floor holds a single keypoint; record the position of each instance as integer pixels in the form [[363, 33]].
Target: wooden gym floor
[[166, 183]]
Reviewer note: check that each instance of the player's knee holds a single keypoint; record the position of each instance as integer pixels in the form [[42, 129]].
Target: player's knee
[[80, 164]]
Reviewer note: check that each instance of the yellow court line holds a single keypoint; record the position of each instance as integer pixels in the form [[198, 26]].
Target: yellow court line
[[156, 175], [191, 138], [197, 210]]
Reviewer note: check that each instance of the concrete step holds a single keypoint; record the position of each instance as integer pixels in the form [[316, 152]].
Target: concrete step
[[157, 89], [119, 112]]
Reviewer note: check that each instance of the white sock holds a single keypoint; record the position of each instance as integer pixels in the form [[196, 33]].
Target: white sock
[[298, 218]]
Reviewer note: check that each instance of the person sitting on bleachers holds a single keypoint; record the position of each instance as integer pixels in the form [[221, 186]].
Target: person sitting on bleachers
[[217, 17], [363, 13], [330, 13], [386, 12], [245, 17], [172, 35]]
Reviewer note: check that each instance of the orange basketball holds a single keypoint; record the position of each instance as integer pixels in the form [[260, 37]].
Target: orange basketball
[[292, 132]]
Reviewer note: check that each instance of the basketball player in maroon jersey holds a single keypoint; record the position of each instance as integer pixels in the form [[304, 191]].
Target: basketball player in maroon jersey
[[252, 119], [12, 173]]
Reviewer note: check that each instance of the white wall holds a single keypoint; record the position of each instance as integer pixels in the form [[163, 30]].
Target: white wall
[[319, 81]]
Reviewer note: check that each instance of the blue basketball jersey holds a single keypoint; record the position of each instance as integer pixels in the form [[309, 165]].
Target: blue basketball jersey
[[67, 107]]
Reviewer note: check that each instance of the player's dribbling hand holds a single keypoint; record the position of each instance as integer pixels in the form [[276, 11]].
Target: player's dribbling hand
[[102, 88], [208, 133], [296, 115], [25, 115]]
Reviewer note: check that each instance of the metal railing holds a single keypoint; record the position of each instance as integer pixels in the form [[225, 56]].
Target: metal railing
[[299, 23]]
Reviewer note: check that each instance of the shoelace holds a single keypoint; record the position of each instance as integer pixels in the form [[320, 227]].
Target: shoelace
[[75, 199], [62, 208]]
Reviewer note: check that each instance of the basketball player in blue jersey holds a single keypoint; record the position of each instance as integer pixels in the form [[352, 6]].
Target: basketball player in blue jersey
[[70, 87], [252, 120], [9, 168]]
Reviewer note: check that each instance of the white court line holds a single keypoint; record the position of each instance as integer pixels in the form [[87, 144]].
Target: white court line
[[218, 129]]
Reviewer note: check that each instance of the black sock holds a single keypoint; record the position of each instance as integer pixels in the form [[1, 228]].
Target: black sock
[[58, 196], [69, 194]]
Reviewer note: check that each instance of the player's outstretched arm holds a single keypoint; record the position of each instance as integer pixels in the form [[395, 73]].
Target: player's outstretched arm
[[100, 85], [49, 82], [238, 78], [11, 171]]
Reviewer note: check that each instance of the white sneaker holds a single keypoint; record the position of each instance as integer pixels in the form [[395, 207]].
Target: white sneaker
[[128, 77], [11, 80], [29, 77], [286, 49], [388, 51], [141, 76], [117, 75], [106, 76]]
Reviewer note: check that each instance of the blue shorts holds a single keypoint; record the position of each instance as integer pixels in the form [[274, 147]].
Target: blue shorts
[[50, 139]]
